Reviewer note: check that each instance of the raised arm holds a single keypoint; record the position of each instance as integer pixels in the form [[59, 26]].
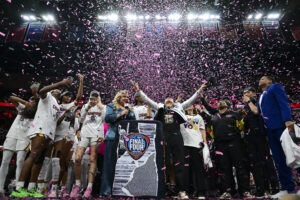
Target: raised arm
[[34, 90], [43, 92], [191, 100], [80, 89], [147, 100], [17, 100]]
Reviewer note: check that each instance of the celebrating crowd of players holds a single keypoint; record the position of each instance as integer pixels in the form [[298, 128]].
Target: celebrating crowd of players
[[209, 151]]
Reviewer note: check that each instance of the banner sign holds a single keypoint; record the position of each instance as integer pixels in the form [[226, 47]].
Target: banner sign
[[35, 32], [139, 167]]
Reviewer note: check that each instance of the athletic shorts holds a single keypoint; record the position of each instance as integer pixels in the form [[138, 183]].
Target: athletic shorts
[[13, 144], [89, 141], [70, 138], [59, 137]]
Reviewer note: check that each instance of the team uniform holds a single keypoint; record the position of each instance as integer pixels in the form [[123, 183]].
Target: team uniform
[[64, 130], [92, 131], [141, 112], [16, 139], [45, 119]]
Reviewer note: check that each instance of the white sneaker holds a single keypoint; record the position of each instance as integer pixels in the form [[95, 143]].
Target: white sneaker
[[182, 195], [279, 194], [201, 197]]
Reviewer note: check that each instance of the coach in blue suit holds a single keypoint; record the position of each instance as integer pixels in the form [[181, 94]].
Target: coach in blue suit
[[275, 115]]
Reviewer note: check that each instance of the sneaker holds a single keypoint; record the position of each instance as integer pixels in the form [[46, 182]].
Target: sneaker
[[87, 192], [75, 191], [20, 193], [63, 193], [182, 195], [201, 197], [225, 195], [247, 195], [33, 193], [52, 194], [279, 194]]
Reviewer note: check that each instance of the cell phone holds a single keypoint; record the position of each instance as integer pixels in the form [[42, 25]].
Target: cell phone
[[34, 85], [70, 77]]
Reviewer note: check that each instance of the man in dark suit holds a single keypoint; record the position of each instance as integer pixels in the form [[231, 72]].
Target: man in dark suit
[[275, 116]]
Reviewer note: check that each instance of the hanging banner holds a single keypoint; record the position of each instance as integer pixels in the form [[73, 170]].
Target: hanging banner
[[52, 32], [193, 32], [154, 31], [112, 32], [35, 32], [135, 31], [76, 33], [253, 30], [227, 32], [210, 31], [272, 30], [172, 32], [139, 166], [296, 33], [17, 33]]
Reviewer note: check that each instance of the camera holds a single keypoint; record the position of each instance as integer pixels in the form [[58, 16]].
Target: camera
[[212, 81]]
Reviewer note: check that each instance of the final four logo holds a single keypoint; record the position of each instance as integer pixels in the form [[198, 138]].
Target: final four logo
[[136, 145]]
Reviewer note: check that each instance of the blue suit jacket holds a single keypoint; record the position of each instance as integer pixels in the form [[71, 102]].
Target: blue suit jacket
[[275, 108]]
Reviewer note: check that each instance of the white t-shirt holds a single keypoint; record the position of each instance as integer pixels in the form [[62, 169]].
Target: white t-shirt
[[141, 112], [191, 131], [46, 117], [93, 120], [64, 127], [20, 126]]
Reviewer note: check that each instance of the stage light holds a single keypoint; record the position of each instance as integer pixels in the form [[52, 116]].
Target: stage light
[[113, 17], [141, 17], [147, 17], [48, 17], [25, 17], [204, 16], [250, 16], [191, 16], [158, 17], [131, 17], [273, 16], [102, 17], [214, 16], [174, 17], [32, 17], [258, 15]]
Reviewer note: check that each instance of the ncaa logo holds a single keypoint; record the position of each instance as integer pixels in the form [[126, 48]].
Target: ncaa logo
[[136, 145]]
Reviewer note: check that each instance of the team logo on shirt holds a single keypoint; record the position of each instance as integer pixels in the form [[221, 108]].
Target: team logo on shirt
[[136, 145]]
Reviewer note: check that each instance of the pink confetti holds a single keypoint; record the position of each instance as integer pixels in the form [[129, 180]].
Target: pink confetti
[[69, 71], [2, 34], [163, 168], [219, 153], [176, 163]]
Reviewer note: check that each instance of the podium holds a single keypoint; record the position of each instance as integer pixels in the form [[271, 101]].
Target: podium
[[139, 169]]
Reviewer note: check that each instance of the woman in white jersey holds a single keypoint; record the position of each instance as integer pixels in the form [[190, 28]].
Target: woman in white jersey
[[41, 132], [16, 140], [141, 110], [61, 146], [92, 134], [194, 138]]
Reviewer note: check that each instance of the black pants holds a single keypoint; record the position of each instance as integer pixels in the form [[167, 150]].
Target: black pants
[[174, 148], [261, 162], [230, 154], [194, 170], [255, 148]]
